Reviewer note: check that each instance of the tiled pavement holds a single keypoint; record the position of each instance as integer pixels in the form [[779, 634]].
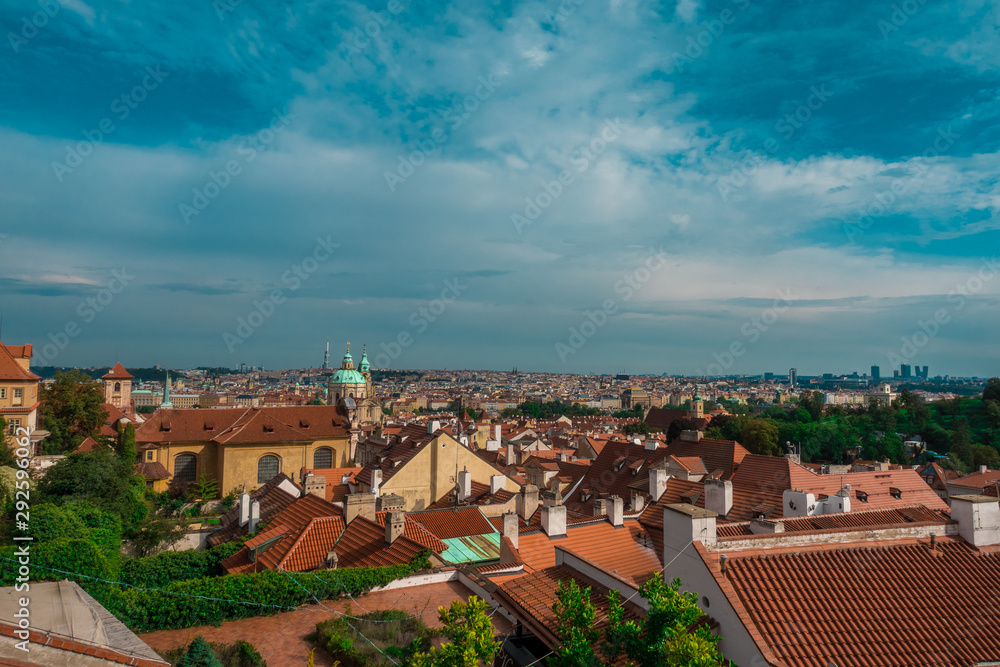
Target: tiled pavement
[[281, 639]]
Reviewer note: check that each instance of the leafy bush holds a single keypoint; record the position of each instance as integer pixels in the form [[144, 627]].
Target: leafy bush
[[172, 566], [240, 654], [199, 654], [210, 601], [401, 637]]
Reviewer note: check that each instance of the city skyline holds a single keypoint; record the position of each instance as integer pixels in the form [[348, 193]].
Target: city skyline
[[569, 188]]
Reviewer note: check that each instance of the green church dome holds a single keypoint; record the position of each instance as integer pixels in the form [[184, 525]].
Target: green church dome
[[347, 376]]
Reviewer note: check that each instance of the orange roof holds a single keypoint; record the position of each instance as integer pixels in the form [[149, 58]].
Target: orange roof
[[619, 550], [243, 425], [88, 445], [117, 372], [896, 603], [458, 522], [362, 544], [9, 368]]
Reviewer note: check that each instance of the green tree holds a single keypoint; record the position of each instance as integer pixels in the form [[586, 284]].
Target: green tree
[[634, 428], [199, 654], [6, 446], [154, 535], [205, 488], [984, 455], [471, 641], [72, 411], [102, 478], [760, 436], [678, 425], [126, 443], [961, 442], [575, 615], [992, 390]]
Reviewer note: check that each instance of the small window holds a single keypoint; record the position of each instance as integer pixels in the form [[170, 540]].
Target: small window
[[186, 467], [323, 458], [3, 392], [118, 386], [149, 455], [13, 425], [18, 393], [267, 467]]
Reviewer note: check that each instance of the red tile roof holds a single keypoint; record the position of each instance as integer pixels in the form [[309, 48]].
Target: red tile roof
[[88, 445], [416, 532], [152, 470], [240, 425], [9, 368], [480, 496], [866, 604], [362, 544], [847, 521], [117, 372], [457, 522]]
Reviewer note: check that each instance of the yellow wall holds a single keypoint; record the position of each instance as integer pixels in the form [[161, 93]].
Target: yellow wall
[[234, 466], [432, 473]]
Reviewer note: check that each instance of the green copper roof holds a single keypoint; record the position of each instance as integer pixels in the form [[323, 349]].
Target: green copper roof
[[472, 548], [348, 357], [364, 362], [348, 376]]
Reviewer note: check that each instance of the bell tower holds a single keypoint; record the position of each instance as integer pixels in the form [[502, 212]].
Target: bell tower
[[118, 388]]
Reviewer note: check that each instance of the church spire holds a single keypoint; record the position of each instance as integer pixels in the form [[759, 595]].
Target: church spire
[[165, 403]]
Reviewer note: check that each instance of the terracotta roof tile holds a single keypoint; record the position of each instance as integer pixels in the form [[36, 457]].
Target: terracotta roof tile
[[117, 372], [457, 522], [9, 368], [363, 545]]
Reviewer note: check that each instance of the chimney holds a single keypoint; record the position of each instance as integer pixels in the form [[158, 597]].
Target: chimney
[[766, 527], [554, 521], [359, 504], [433, 426], [395, 524], [510, 527], [496, 432], [464, 485], [316, 485], [391, 501], [254, 515], [658, 482], [527, 502], [839, 502], [983, 469], [691, 436], [978, 519], [552, 497], [719, 496], [616, 511], [492, 445], [511, 455], [331, 560], [683, 524], [638, 501], [497, 483], [797, 503], [652, 445], [376, 480], [601, 507], [244, 508]]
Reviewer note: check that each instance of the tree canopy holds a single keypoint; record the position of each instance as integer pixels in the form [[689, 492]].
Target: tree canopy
[[72, 410]]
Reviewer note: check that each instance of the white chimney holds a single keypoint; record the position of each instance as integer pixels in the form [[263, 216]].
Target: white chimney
[[978, 519], [464, 484], [683, 524], [652, 445], [496, 432], [798, 503], [254, 515], [719, 496], [376, 481], [616, 511], [638, 501], [492, 445], [658, 482], [554, 520], [433, 426], [497, 482], [511, 527], [244, 508], [983, 469]]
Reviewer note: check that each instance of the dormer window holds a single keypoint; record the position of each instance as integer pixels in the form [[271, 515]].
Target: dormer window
[[895, 493], [268, 428], [209, 426], [861, 495]]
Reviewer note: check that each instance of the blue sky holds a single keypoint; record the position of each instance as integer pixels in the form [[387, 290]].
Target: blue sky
[[600, 185]]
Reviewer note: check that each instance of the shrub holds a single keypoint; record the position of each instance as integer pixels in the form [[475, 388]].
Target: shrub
[[393, 632], [240, 654], [199, 654], [172, 566]]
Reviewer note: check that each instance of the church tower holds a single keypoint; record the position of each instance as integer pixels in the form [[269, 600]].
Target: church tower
[[347, 382], [697, 407], [118, 388]]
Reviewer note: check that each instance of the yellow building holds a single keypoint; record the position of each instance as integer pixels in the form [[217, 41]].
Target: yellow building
[[245, 447], [423, 464], [19, 393]]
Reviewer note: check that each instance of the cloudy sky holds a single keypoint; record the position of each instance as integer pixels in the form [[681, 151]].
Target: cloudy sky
[[572, 185]]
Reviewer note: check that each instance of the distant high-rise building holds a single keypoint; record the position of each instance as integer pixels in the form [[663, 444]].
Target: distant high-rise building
[[905, 370], [793, 377], [876, 374], [768, 377], [921, 371], [326, 357]]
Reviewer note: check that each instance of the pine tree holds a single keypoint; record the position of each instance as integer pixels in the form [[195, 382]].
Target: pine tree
[[199, 654]]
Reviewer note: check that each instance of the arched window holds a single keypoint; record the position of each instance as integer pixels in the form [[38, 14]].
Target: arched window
[[267, 467], [186, 467], [323, 458], [118, 386]]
